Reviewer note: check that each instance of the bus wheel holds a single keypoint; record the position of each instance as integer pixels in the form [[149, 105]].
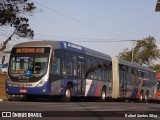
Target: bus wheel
[[141, 97], [103, 95], [9, 97], [146, 98], [68, 94]]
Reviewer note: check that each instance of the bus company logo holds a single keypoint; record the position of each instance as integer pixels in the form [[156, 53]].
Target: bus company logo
[[65, 45], [6, 114], [70, 45]]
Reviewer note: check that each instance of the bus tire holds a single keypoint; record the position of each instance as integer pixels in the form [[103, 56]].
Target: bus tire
[[68, 94], [146, 97], [141, 97], [103, 95]]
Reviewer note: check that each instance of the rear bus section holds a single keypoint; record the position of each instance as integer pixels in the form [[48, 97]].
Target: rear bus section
[[132, 81], [158, 88], [158, 91]]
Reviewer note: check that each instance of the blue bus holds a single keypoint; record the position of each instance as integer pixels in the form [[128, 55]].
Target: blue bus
[[60, 68], [158, 86]]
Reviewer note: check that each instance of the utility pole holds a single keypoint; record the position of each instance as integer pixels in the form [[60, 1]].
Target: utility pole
[[133, 45]]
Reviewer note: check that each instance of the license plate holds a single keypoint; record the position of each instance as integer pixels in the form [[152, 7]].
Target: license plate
[[23, 90]]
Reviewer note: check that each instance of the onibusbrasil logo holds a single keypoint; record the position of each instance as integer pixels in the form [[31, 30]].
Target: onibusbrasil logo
[[21, 114]]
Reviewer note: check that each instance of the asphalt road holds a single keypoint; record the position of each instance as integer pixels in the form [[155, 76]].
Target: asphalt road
[[96, 110]]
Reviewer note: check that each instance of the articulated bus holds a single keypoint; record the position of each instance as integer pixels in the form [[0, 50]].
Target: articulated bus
[[60, 68], [158, 87]]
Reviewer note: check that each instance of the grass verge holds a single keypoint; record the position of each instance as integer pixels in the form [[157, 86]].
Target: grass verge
[[2, 86]]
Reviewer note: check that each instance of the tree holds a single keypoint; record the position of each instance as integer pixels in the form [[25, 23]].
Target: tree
[[145, 52], [126, 54], [12, 14], [4, 44], [155, 67]]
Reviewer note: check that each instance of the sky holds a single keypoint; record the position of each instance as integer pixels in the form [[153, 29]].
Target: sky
[[108, 26]]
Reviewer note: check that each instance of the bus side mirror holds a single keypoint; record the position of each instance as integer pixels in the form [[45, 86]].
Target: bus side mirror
[[37, 68]]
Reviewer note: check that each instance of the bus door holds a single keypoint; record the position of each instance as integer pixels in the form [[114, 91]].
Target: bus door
[[123, 81], [81, 77]]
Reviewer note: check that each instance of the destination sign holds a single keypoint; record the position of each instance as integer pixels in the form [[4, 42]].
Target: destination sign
[[31, 50]]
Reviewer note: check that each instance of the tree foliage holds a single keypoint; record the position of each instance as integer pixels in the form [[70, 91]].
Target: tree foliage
[[144, 52], [13, 12], [155, 67], [126, 54]]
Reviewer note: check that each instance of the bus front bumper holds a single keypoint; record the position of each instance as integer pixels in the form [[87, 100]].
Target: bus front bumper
[[27, 91]]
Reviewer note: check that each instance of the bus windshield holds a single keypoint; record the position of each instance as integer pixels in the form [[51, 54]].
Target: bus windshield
[[27, 68]]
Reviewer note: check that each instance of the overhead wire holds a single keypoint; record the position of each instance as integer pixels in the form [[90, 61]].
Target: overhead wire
[[80, 39], [7, 34], [79, 21], [71, 39]]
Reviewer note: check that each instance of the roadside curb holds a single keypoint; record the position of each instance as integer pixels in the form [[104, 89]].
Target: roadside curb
[[3, 99]]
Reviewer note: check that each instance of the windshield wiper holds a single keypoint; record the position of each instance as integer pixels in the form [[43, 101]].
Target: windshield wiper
[[29, 76]]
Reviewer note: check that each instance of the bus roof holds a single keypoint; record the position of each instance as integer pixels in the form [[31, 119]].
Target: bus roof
[[65, 45], [135, 65], [38, 44]]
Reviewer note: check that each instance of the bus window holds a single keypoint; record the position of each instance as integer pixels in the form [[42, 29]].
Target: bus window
[[129, 75], [66, 68], [133, 76], [100, 75], [56, 66], [37, 67], [21, 63], [110, 74], [74, 69], [40, 66], [74, 65], [67, 64], [94, 75], [20, 66]]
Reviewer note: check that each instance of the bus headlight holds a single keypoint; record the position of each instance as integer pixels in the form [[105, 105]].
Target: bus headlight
[[41, 83], [8, 82]]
